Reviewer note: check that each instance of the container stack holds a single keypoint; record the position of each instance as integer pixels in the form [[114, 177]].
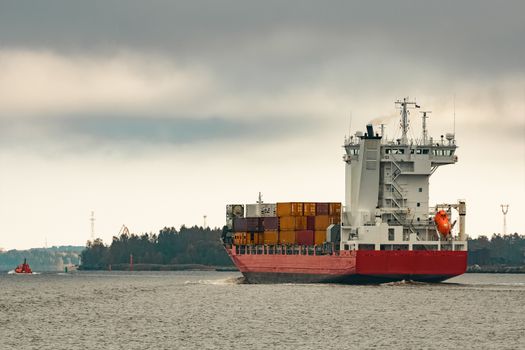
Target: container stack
[[306, 223], [283, 223]]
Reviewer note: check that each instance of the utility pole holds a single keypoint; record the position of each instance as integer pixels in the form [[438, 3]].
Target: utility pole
[[204, 224]]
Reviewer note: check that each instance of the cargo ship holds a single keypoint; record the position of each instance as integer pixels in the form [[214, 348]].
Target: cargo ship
[[385, 232]]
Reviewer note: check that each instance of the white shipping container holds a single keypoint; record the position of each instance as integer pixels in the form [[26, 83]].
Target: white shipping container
[[260, 210], [268, 209], [252, 211]]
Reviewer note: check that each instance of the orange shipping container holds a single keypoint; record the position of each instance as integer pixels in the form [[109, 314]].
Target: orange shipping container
[[287, 237], [237, 239], [319, 237], [258, 238], [309, 209], [290, 209], [322, 222], [335, 219], [290, 223], [271, 237], [335, 209]]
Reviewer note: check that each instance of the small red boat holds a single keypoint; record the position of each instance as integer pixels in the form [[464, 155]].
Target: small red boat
[[23, 268]]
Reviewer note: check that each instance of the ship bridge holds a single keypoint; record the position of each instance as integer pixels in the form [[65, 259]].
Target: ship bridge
[[387, 189]]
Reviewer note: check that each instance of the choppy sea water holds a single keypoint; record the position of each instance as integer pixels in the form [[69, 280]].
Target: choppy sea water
[[214, 310]]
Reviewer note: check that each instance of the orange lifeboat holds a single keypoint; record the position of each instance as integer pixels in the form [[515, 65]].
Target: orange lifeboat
[[442, 223], [23, 268]]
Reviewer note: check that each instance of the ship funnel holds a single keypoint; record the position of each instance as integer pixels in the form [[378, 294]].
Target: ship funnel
[[370, 130]]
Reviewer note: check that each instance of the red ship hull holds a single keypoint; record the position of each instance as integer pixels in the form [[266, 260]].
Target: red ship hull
[[364, 266]]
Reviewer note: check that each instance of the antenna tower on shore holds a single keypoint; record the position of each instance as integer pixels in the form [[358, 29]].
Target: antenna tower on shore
[[504, 210], [204, 225], [92, 219]]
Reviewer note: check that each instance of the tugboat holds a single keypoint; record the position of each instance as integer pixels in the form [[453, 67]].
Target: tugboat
[[24, 268]]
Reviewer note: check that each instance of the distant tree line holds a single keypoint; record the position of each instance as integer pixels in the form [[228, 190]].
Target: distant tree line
[[41, 259], [193, 245], [508, 250]]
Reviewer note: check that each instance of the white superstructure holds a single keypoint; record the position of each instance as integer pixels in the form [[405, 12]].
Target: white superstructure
[[387, 190]]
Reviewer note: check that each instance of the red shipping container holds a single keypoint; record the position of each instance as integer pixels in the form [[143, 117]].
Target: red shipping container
[[240, 225], [310, 223], [271, 223], [305, 237], [322, 208]]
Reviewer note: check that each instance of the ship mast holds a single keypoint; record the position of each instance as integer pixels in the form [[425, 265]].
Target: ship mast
[[404, 117], [424, 118]]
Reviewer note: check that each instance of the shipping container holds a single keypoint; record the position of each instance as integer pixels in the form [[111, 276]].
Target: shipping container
[[240, 225], [335, 209], [258, 238], [254, 224], [252, 210], [237, 239], [309, 209], [235, 211], [261, 210], [322, 222], [240, 238], [322, 208], [319, 237], [271, 237], [310, 223], [287, 237], [336, 219], [304, 237], [271, 223], [290, 223], [268, 209], [290, 209]]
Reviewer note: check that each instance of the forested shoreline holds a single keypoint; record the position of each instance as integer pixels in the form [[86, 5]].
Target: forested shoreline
[[200, 248], [171, 249]]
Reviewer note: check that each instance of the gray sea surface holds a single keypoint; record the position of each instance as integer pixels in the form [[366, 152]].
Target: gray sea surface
[[215, 310]]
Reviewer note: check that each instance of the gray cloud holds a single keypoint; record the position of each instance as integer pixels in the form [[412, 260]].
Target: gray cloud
[[290, 39], [129, 135]]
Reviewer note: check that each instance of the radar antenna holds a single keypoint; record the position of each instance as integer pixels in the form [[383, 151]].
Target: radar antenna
[[404, 117]]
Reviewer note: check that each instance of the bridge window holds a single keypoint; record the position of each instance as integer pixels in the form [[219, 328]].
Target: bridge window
[[425, 151], [421, 189], [418, 204], [390, 234]]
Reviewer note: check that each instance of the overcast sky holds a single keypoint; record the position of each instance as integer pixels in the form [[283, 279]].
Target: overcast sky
[[156, 113]]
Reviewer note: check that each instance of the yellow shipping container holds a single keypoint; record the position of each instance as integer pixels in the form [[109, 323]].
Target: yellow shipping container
[[287, 237], [271, 236], [291, 223], [322, 222], [309, 209], [290, 209], [335, 209], [319, 237]]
